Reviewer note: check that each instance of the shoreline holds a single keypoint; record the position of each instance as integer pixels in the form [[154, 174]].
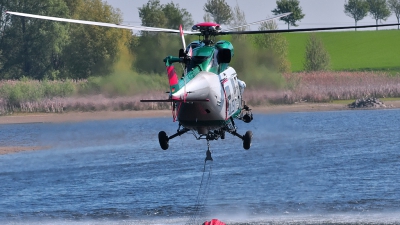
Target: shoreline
[[68, 117], [73, 117]]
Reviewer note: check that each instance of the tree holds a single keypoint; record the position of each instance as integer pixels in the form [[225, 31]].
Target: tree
[[285, 6], [32, 46], [275, 44], [379, 10], [238, 21], [92, 50], [176, 16], [356, 9], [1, 60], [316, 57], [207, 17], [152, 47], [394, 6], [152, 15], [220, 11]]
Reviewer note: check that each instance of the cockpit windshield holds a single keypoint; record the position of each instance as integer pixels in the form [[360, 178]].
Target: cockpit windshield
[[197, 60]]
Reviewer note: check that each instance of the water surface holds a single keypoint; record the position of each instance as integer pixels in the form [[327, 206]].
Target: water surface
[[303, 168]]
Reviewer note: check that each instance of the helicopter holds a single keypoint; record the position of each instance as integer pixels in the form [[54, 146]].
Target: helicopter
[[208, 97]]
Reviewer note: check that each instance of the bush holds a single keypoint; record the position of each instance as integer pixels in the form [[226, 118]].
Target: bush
[[316, 57], [274, 45], [26, 90]]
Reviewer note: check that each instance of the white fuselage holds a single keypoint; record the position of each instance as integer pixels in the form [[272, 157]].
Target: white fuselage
[[223, 95]]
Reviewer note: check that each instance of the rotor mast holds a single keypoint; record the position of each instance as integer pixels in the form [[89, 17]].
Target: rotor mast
[[207, 31]]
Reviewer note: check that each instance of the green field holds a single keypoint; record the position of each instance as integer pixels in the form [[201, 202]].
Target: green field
[[350, 50]]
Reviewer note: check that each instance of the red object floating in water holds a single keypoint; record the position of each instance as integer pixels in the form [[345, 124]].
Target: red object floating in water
[[214, 222]]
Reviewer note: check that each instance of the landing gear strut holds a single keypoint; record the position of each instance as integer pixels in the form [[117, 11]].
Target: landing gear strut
[[247, 137]]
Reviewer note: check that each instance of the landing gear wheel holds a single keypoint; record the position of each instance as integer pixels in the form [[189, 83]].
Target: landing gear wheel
[[247, 140], [223, 135], [163, 139]]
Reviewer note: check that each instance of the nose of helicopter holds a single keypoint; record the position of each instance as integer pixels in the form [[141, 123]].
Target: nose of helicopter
[[200, 88]]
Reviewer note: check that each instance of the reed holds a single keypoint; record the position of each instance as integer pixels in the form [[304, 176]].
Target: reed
[[86, 95], [328, 86]]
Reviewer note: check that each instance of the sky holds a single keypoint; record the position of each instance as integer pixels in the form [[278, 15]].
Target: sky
[[318, 13]]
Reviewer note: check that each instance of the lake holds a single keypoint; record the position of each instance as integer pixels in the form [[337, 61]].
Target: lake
[[340, 167]]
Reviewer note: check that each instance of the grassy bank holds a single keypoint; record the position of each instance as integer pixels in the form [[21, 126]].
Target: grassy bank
[[102, 94], [350, 50]]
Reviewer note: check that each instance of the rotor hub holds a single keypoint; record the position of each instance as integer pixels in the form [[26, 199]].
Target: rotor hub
[[207, 30]]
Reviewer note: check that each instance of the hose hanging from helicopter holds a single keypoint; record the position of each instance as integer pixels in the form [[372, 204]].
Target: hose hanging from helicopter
[[204, 189]]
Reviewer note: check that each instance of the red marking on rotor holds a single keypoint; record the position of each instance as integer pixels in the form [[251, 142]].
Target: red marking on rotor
[[181, 30], [172, 77], [207, 24], [190, 52]]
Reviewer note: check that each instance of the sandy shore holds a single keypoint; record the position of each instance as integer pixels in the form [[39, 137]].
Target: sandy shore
[[107, 115], [79, 116]]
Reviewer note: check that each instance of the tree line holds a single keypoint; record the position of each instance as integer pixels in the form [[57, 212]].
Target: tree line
[[40, 49], [378, 9]]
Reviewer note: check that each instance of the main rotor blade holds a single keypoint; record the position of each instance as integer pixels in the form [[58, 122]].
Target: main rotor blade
[[183, 37], [260, 21], [304, 29], [139, 28]]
